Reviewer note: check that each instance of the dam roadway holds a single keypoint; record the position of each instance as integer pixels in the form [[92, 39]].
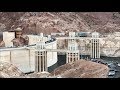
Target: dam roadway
[[81, 38]]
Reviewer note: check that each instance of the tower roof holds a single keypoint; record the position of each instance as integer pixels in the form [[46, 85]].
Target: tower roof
[[71, 34], [95, 34], [18, 29]]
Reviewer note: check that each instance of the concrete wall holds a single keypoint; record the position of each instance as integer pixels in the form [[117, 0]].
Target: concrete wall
[[24, 59], [51, 56], [7, 38], [33, 39], [19, 58], [32, 60], [5, 56]]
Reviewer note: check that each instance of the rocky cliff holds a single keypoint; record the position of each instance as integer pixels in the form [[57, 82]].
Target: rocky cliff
[[110, 46], [47, 22]]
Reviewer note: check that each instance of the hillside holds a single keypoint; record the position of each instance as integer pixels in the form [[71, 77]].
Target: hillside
[[78, 69], [47, 22], [82, 69]]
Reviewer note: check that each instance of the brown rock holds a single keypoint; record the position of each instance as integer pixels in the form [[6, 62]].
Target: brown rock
[[82, 69], [2, 44], [19, 41], [8, 70]]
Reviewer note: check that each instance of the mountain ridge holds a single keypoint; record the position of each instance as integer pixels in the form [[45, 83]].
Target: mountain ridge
[[47, 22]]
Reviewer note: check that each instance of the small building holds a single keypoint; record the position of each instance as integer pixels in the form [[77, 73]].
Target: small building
[[82, 34], [33, 39]]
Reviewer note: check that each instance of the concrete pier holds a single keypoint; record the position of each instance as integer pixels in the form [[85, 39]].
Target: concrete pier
[[73, 53], [41, 58], [95, 46]]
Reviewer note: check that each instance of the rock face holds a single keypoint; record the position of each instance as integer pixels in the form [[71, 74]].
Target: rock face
[[2, 44], [110, 45], [19, 41], [9, 71], [47, 22], [82, 69]]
